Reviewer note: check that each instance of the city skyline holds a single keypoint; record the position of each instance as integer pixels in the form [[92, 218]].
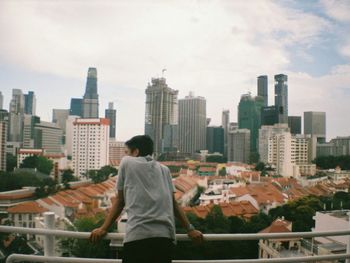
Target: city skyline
[[219, 61]]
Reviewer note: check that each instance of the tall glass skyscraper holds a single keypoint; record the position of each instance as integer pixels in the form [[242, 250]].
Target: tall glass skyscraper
[[76, 107], [281, 97], [90, 99], [263, 88], [30, 103]]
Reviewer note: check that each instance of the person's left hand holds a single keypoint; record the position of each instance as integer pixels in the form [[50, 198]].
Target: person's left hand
[[196, 236], [97, 234]]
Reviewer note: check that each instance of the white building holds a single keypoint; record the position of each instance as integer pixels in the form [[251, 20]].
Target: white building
[[3, 140], [90, 149], [116, 150], [69, 134], [24, 153]]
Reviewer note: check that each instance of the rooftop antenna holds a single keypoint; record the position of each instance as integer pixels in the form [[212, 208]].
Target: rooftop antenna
[[164, 69]]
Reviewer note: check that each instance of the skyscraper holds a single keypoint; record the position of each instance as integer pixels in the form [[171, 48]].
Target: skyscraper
[[1, 101], [29, 122], [48, 136], [15, 130], [111, 114], [263, 89], [215, 139], [269, 115], [3, 138], [60, 116], [161, 111], [76, 107], [281, 97], [30, 103], [294, 124], [90, 99], [315, 124], [249, 110], [192, 124], [225, 122], [239, 146]]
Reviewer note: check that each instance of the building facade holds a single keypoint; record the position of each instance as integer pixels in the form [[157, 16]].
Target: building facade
[[294, 124], [3, 141], [263, 89], [161, 110], [76, 105], [30, 103], [225, 122], [90, 145], [239, 146], [29, 122], [215, 139], [111, 114], [116, 151], [48, 136], [315, 124], [15, 130], [281, 97], [192, 124], [90, 100]]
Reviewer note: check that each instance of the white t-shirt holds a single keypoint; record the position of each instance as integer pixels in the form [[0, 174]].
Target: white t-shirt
[[148, 192]]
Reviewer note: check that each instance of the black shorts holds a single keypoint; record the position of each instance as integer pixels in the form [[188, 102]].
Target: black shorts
[[149, 250]]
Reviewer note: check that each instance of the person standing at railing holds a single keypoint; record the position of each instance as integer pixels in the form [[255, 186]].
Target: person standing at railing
[[146, 191]]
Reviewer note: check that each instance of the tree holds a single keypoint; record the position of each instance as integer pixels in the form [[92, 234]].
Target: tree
[[331, 162], [11, 162], [260, 166], [84, 248], [42, 164], [98, 176], [47, 187], [222, 171], [216, 159], [66, 177]]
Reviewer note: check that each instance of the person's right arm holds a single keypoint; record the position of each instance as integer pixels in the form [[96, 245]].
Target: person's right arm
[[115, 212]]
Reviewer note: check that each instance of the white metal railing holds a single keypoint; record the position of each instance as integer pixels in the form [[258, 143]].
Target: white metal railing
[[49, 233]]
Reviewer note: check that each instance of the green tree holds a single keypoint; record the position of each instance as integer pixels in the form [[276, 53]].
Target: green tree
[[216, 159], [84, 248], [41, 163], [222, 171], [11, 162], [66, 177]]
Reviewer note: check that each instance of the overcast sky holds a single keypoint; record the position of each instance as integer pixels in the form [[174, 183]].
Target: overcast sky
[[214, 48]]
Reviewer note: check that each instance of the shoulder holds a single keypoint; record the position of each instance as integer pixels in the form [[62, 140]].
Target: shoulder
[[125, 160], [164, 168]]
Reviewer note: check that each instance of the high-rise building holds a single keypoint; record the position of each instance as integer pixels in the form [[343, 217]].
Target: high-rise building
[[1, 101], [315, 124], [294, 124], [239, 146], [3, 141], [68, 143], [269, 115], [233, 126], [336, 147], [281, 97], [192, 124], [30, 103], [90, 145], [76, 107], [265, 133], [111, 114], [90, 99], [60, 116], [249, 110], [170, 138], [29, 122], [161, 110], [215, 139], [263, 89], [15, 129], [48, 136], [225, 122]]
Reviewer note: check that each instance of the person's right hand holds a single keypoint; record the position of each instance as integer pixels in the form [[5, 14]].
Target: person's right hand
[[97, 234], [196, 236]]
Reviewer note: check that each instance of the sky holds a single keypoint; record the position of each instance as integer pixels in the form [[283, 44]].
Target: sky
[[214, 48]]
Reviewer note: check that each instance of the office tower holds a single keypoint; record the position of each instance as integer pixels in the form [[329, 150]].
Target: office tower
[[263, 89], [265, 132], [29, 122], [116, 151], [281, 97], [76, 107], [225, 122], [30, 103], [280, 153], [249, 111], [336, 147], [111, 114], [239, 146], [68, 143], [1, 101], [90, 99], [215, 139], [315, 124], [3, 141], [170, 138], [269, 115], [161, 110], [233, 126], [90, 145], [15, 130], [294, 124], [48, 136], [192, 124], [60, 116]]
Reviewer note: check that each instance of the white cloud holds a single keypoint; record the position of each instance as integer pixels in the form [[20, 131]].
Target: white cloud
[[215, 48], [337, 9]]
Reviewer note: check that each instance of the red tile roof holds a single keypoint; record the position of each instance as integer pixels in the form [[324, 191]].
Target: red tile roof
[[31, 207]]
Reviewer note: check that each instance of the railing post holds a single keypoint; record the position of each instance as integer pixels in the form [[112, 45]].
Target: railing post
[[348, 244], [49, 241]]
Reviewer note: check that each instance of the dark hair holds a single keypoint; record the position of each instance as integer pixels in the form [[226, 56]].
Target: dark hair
[[143, 143]]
